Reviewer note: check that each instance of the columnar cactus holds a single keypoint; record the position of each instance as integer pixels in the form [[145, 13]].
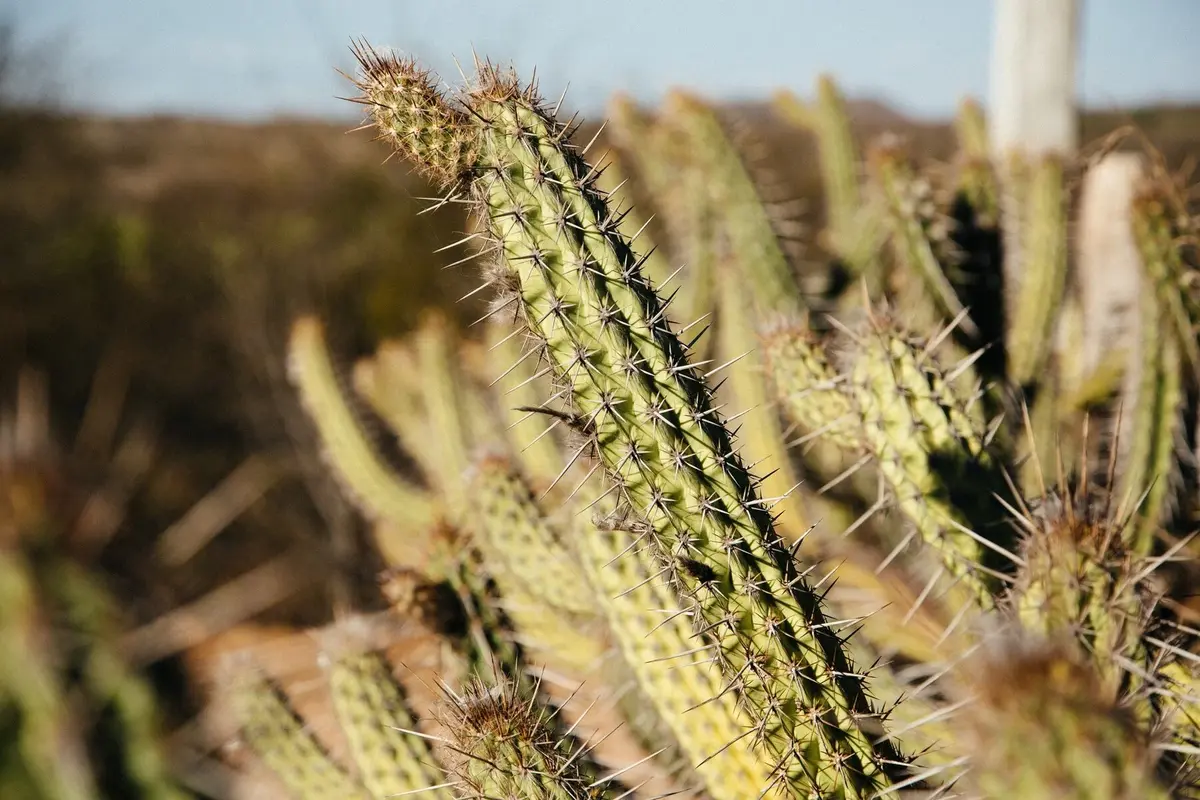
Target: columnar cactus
[[1005, 587]]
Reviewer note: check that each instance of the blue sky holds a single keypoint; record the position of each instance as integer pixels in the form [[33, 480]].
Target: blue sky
[[256, 58]]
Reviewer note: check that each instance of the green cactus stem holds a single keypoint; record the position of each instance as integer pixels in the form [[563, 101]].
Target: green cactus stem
[[854, 230], [511, 749], [1165, 234], [380, 492], [391, 757], [808, 386], [540, 590], [927, 295], [929, 454], [1076, 580], [1038, 215], [1149, 427], [278, 737], [659, 643], [648, 415]]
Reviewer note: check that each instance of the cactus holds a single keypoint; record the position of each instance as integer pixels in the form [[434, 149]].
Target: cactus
[[510, 749], [605, 526]]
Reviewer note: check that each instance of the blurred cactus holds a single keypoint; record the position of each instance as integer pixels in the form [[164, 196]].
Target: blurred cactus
[[971, 603], [78, 719]]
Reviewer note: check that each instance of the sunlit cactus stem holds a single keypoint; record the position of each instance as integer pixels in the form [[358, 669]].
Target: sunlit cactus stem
[[510, 749], [648, 415], [650, 625]]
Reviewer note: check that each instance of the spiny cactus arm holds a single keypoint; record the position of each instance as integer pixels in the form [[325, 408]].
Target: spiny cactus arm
[[649, 414], [1075, 580], [413, 116], [1038, 726], [910, 237], [519, 540], [381, 493], [839, 159], [673, 670], [1038, 212], [49, 761], [907, 430], [650, 417], [751, 241], [1161, 226], [1149, 465], [391, 756], [807, 386], [277, 736], [511, 750], [853, 224], [542, 589]]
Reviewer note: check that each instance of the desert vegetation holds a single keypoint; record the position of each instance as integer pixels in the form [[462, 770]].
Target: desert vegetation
[[787, 450]]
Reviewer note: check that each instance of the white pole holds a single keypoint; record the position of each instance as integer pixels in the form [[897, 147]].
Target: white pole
[[1033, 68]]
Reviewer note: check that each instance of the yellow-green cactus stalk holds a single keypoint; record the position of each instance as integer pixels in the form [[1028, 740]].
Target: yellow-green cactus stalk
[[1152, 424], [928, 297], [1038, 214], [808, 386], [1161, 225], [543, 589], [672, 668], [521, 541], [1149, 468], [391, 757], [747, 228], [853, 225], [649, 416], [511, 750], [930, 457], [277, 736], [1075, 580], [366, 477]]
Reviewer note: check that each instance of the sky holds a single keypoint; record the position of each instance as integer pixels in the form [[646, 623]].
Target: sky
[[253, 59]]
